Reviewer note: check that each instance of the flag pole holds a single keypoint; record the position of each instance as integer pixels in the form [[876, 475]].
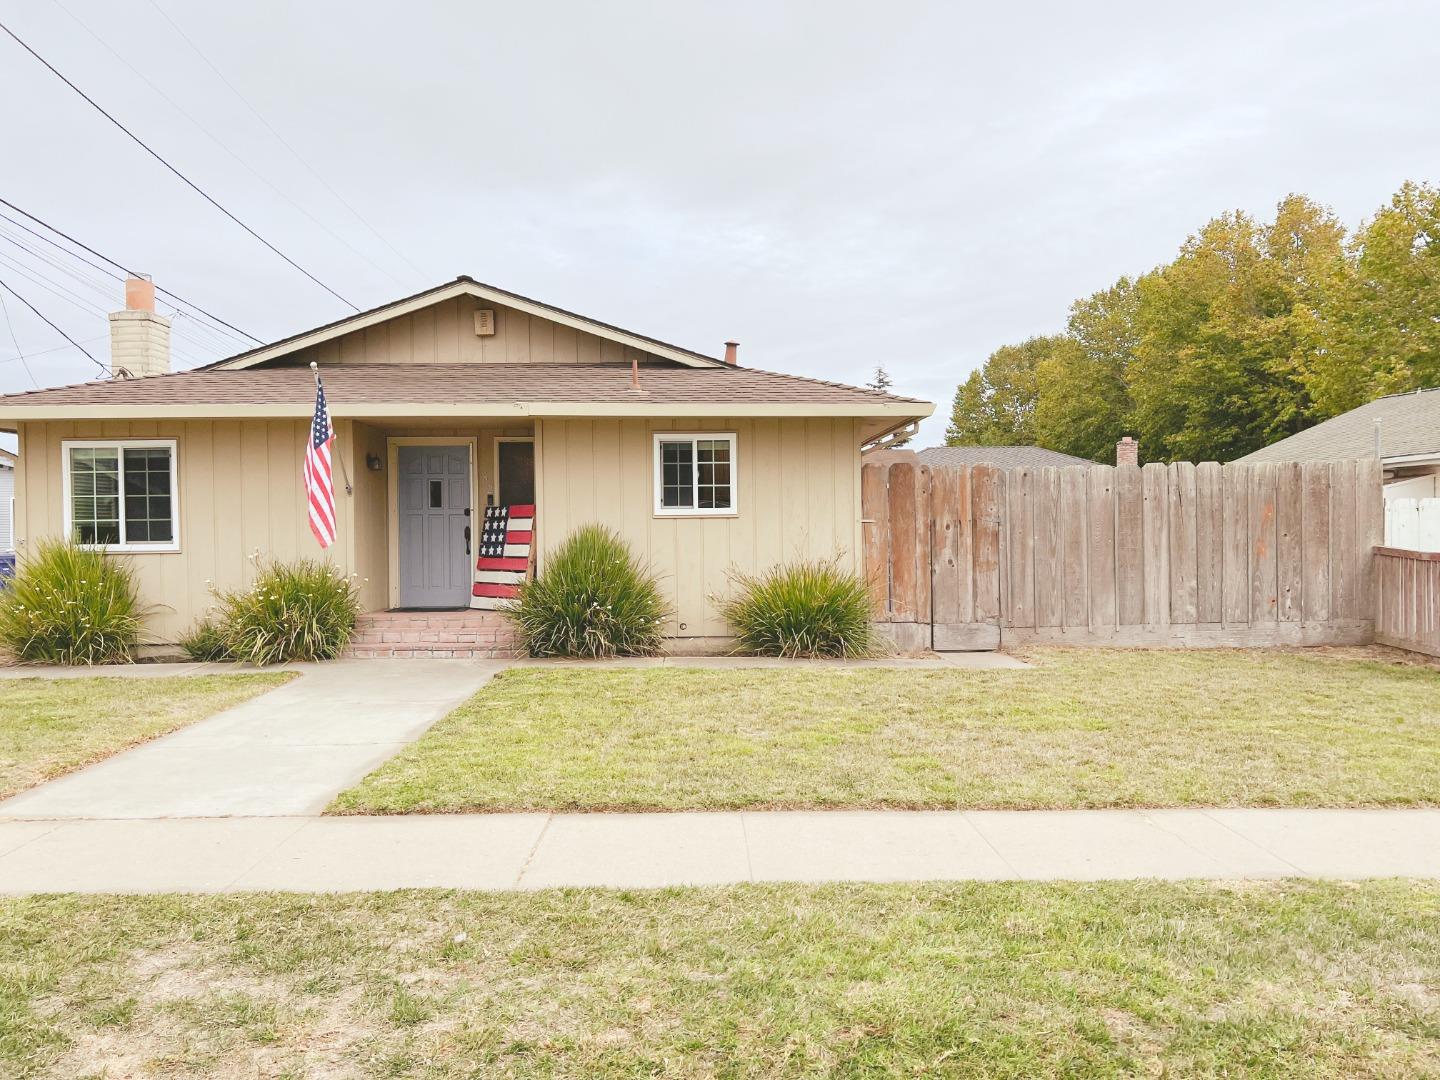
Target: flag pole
[[344, 471]]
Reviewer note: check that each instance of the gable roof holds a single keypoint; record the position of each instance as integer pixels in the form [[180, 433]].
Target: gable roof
[[1409, 428], [1007, 457], [463, 389], [462, 286]]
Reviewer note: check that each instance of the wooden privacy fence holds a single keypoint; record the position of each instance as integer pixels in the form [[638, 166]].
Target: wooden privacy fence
[[967, 557], [1407, 595]]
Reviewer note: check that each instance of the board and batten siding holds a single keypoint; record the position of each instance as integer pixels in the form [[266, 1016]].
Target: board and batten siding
[[444, 333], [798, 497], [240, 492]]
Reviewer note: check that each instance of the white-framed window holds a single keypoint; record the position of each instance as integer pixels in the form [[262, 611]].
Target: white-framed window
[[695, 474], [121, 494]]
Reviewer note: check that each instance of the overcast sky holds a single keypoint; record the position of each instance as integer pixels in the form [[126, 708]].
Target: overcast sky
[[834, 185]]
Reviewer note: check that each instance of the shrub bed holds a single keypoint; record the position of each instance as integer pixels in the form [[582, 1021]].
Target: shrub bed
[[804, 609], [593, 600], [305, 610], [71, 605]]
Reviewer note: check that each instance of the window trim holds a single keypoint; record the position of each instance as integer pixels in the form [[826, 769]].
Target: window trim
[[661, 510], [120, 446]]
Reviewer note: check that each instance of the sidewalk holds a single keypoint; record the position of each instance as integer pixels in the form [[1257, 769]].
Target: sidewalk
[[532, 851]]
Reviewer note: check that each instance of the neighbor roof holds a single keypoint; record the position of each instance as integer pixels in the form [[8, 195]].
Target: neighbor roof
[[1009, 457], [461, 286], [1409, 427], [459, 389]]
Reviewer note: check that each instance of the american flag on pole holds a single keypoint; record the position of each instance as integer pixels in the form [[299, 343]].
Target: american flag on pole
[[504, 555], [319, 488]]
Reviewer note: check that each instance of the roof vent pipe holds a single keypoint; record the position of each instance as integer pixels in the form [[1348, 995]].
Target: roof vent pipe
[[731, 348]]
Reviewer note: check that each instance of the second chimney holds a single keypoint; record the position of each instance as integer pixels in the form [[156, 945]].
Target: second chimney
[[731, 350], [139, 338], [1127, 452]]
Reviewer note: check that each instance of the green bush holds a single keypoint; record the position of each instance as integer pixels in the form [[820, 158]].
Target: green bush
[[71, 605], [305, 610], [593, 599], [205, 642], [802, 609]]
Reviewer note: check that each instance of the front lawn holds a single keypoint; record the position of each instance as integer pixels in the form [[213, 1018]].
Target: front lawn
[[53, 726], [1086, 728], [1017, 980]]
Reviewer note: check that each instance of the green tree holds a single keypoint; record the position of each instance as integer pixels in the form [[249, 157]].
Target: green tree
[[1381, 318], [1227, 331], [995, 406], [1083, 403]]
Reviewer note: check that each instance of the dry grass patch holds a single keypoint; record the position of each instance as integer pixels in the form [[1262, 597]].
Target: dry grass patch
[[49, 727], [1088, 728], [1272, 979]]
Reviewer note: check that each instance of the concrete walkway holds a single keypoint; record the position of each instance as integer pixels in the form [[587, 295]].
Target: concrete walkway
[[286, 752], [532, 851]]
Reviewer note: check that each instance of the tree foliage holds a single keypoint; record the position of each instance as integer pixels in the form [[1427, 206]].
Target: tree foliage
[[1254, 331]]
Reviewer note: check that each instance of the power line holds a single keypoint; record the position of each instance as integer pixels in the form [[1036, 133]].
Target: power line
[[244, 164], [283, 141], [4, 307], [56, 348], [185, 179], [40, 315], [112, 262]]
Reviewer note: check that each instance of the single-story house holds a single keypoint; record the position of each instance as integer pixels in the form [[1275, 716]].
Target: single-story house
[[1006, 457], [444, 403], [1402, 430]]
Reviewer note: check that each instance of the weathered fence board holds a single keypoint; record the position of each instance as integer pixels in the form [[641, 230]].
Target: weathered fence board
[[1186, 555], [1407, 590]]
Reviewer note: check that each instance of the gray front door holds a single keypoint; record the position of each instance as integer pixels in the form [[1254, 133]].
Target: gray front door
[[434, 489]]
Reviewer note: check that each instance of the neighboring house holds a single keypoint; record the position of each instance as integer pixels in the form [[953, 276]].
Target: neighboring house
[[1007, 457], [445, 402], [7, 513], [1402, 429]]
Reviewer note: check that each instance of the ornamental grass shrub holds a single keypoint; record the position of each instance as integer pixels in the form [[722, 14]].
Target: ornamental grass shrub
[[304, 610], [205, 642], [592, 600], [71, 605], [808, 609]]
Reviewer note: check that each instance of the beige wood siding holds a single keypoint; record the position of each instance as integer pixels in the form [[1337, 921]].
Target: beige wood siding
[[240, 493], [799, 497], [444, 333]]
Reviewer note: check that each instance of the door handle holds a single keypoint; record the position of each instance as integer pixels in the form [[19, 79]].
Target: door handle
[[467, 539]]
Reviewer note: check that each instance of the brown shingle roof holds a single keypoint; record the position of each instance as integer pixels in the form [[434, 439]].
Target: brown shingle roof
[[460, 384], [1409, 426]]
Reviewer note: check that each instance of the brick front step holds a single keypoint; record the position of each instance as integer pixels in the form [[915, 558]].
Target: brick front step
[[466, 634]]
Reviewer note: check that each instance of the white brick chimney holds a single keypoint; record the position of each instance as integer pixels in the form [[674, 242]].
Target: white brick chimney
[[139, 338]]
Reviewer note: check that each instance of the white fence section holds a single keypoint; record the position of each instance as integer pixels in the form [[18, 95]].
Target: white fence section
[[1413, 524]]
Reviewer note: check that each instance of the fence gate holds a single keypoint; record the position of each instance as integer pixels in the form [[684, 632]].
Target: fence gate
[[932, 551]]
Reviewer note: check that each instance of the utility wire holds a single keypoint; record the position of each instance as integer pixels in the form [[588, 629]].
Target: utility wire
[[43, 352], [112, 262], [16, 342], [40, 315], [187, 181], [283, 141], [244, 164]]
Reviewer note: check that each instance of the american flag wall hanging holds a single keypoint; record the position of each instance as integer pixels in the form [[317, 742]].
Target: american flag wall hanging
[[504, 554]]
